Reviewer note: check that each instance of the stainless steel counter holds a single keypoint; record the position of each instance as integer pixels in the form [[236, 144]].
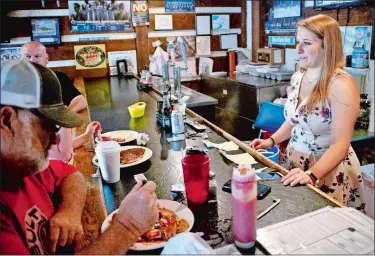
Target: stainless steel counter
[[196, 99]]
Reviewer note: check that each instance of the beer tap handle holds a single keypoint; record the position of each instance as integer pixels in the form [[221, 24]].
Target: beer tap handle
[[180, 42], [165, 71]]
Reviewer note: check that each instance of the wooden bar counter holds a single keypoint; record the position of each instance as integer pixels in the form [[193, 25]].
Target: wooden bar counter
[[108, 99], [95, 211]]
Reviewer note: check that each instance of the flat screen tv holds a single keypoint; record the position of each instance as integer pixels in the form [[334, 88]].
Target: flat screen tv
[[324, 4], [46, 31]]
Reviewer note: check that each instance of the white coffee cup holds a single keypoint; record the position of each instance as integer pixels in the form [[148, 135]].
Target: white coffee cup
[[108, 153]]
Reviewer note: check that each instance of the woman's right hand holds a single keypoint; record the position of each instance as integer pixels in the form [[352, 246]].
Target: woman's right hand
[[261, 144], [93, 128]]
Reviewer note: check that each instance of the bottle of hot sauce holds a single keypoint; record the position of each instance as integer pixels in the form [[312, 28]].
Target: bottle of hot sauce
[[244, 206]]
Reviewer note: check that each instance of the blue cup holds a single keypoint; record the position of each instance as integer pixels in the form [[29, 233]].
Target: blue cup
[[272, 153]]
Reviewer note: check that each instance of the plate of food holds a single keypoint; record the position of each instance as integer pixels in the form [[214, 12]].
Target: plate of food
[[174, 218], [130, 155], [120, 136]]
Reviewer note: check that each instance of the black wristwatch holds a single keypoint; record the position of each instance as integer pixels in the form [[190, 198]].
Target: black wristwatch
[[313, 177]]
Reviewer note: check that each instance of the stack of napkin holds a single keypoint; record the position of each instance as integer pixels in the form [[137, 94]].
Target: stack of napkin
[[142, 139]]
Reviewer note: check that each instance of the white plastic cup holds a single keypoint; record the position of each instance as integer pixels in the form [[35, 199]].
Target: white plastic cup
[[108, 153]]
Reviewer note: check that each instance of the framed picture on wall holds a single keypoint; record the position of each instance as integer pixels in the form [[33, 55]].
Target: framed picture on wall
[[10, 53], [203, 25], [90, 56], [163, 22], [46, 31], [203, 45], [220, 21], [103, 15], [286, 8], [129, 56], [228, 41]]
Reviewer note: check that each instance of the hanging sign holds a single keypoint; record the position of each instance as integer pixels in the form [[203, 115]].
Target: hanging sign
[[179, 5], [140, 14], [281, 40]]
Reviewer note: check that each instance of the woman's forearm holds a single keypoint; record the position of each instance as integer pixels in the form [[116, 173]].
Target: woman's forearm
[[78, 103], [283, 133], [65, 146], [335, 154], [79, 140]]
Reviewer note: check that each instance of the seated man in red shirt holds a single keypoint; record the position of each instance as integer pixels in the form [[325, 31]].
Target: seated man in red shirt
[[41, 201]]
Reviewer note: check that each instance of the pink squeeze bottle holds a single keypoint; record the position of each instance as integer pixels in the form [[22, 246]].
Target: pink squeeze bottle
[[244, 206]]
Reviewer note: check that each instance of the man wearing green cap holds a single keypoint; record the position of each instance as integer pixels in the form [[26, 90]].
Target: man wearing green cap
[[41, 201], [71, 97]]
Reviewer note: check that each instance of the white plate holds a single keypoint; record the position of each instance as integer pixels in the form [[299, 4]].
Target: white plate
[[181, 211], [147, 155], [129, 135]]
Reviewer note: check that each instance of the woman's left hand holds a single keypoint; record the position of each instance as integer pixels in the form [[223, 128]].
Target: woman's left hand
[[296, 176]]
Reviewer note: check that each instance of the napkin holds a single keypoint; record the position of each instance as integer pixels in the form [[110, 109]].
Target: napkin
[[187, 243], [244, 158], [142, 139], [226, 146], [227, 250]]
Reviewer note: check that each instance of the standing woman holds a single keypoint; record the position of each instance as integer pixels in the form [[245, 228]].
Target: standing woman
[[320, 114]]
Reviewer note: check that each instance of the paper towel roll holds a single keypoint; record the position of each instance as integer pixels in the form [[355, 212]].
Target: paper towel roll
[[372, 113]]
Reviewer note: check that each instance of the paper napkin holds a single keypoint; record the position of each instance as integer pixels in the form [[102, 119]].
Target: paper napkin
[[226, 146], [244, 158]]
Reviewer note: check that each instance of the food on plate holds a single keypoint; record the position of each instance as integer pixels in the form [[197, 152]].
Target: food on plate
[[182, 225], [132, 155], [109, 138], [168, 225], [125, 136]]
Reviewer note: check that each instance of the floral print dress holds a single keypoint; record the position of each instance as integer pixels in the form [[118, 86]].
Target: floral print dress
[[310, 139]]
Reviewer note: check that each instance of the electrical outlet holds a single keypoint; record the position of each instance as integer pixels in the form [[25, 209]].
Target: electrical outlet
[[225, 92]]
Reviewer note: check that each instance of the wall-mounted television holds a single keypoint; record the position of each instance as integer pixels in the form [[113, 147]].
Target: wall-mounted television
[[324, 4], [46, 31]]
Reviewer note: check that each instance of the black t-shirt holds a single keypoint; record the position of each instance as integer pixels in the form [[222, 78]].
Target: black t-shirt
[[69, 91]]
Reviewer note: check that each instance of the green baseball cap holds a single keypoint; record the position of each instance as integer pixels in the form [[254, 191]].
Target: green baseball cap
[[31, 86]]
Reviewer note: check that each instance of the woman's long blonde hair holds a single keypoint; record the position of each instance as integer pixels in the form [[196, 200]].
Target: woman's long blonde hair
[[327, 29]]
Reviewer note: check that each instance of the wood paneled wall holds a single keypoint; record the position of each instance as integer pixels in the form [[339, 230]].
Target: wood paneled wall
[[187, 22], [258, 30], [21, 27], [358, 16], [181, 21]]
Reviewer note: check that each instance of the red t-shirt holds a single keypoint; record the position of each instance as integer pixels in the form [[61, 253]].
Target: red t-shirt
[[25, 211]]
